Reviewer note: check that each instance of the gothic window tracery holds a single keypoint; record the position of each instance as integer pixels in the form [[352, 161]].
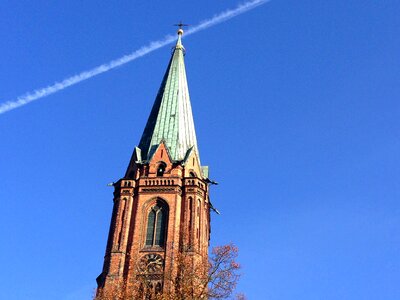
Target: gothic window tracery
[[156, 225]]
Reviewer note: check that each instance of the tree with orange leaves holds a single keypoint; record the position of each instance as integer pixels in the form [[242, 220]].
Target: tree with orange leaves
[[190, 278]]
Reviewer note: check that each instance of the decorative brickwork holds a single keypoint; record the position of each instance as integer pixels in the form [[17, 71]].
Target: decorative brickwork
[[187, 228], [161, 205]]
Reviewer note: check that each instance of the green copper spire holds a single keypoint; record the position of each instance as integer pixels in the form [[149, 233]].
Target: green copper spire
[[171, 118]]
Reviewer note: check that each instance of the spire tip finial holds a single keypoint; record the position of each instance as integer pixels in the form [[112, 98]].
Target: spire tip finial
[[180, 30]]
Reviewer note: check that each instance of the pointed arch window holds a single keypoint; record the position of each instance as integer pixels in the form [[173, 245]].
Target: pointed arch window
[[156, 225], [161, 169]]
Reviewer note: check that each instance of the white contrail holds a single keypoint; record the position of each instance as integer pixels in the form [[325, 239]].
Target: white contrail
[[58, 86]]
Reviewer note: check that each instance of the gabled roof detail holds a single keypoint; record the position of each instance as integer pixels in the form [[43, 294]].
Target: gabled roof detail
[[161, 146], [171, 117]]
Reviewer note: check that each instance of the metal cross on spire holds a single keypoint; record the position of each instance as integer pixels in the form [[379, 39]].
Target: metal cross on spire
[[180, 25]]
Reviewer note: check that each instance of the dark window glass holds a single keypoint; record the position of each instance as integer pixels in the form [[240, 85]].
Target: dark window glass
[[150, 228], [160, 228], [161, 169], [156, 226]]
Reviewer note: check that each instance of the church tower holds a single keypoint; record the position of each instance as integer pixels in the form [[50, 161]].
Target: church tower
[[161, 205]]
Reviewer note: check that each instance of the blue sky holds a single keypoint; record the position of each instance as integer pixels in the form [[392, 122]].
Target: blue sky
[[296, 106]]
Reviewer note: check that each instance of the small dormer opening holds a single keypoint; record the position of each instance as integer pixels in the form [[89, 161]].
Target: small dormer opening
[[192, 174], [161, 169]]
